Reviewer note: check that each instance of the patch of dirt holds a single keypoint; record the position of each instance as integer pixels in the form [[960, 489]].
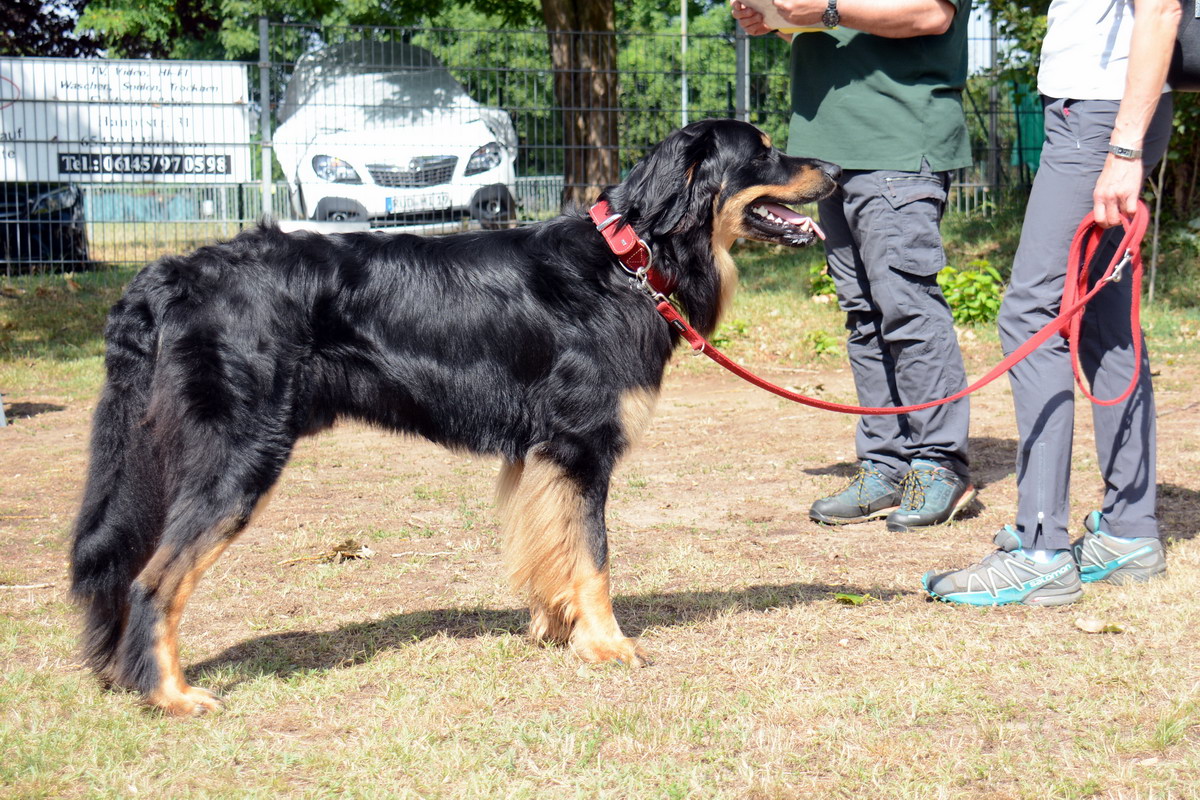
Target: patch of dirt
[[725, 472]]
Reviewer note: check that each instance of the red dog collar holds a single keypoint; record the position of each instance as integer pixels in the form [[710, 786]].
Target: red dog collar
[[628, 247]]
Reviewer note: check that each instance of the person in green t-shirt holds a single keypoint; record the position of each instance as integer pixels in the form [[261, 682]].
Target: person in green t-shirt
[[877, 89]]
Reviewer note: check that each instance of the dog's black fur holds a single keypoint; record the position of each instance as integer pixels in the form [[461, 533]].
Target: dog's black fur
[[528, 343]]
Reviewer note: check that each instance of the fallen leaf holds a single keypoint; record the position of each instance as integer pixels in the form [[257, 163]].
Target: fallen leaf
[[852, 599], [346, 551], [1093, 625]]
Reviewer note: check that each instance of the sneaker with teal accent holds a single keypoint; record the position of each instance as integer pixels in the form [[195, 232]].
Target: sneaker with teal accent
[[931, 495], [1116, 559], [869, 495], [1009, 575]]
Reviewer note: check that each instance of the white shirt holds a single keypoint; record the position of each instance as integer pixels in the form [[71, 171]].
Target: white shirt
[[1085, 54]]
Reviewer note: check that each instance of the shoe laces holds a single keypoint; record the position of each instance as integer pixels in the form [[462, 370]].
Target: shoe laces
[[912, 490], [917, 481], [859, 482]]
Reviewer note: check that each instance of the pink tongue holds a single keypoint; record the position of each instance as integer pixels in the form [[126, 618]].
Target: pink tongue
[[791, 217]]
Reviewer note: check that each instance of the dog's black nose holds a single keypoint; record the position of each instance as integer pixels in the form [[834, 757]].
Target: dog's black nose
[[832, 170]]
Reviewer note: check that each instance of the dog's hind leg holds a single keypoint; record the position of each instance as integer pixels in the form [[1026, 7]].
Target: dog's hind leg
[[209, 511], [557, 550]]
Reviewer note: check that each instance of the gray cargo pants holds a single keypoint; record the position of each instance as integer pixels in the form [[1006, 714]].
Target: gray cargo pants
[[1077, 135], [884, 250]]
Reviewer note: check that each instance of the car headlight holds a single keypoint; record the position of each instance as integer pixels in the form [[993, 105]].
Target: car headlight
[[485, 158], [57, 200], [334, 170]]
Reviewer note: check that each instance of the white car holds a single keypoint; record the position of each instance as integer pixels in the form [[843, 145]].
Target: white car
[[384, 133]]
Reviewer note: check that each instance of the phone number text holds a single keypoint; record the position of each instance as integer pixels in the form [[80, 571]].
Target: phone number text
[[143, 164]]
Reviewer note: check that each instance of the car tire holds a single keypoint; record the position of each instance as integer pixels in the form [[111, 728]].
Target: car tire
[[494, 207], [339, 209]]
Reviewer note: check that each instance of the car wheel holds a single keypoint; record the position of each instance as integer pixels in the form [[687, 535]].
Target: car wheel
[[494, 207]]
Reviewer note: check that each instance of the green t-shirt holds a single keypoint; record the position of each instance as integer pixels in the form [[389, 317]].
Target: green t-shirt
[[870, 102]]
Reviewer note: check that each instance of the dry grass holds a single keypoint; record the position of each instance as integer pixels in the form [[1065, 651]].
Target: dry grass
[[410, 676]]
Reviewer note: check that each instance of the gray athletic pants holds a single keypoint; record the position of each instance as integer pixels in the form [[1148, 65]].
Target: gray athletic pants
[[884, 251], [1077, 136]]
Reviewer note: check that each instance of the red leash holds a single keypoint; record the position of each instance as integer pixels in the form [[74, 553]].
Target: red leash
[[1075, 297]]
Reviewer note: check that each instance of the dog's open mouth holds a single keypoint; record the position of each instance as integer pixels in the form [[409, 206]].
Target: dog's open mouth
[[773, 222]]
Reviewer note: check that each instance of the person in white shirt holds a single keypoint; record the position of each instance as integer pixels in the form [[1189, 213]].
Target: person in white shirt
[[1107, 120]]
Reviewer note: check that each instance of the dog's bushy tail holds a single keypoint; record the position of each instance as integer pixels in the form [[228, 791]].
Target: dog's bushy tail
[[120, 519]]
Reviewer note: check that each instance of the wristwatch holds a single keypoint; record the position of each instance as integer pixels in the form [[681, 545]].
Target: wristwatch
[[831, 17], [1128, 153]]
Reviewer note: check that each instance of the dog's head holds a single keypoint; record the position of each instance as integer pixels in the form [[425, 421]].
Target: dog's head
[[703, 187]]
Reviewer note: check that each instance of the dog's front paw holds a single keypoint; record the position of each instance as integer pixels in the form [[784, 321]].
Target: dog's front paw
[[191, 701], [621, 649]]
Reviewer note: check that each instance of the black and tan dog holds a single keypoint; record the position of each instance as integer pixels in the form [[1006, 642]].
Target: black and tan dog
[[529, 344]]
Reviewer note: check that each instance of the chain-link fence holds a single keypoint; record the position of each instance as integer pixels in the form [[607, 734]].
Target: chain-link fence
[[118, 162]]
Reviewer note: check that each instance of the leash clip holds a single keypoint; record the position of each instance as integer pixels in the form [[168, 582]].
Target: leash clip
[[640, 280], [1125, 261]]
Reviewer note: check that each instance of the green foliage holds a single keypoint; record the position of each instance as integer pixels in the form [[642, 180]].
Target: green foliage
[[730, 330], [228, 29], [1024, 25], [651, 97], [819, 282], [38, 28], [822, 343], [974, 293]]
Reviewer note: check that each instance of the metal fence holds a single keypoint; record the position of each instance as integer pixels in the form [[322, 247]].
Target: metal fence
[[437, 129]]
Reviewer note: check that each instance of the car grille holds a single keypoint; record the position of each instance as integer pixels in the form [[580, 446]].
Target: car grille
[[425, 171]]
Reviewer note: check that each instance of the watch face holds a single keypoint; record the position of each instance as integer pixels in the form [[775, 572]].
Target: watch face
[[831, 17]]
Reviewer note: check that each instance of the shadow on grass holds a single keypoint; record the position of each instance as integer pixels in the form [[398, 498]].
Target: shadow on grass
[[27, 410], [992, 459], [1178, 512], [283, 654]]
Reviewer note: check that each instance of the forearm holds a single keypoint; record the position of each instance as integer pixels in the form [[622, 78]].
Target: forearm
[[1154, 28], [1155, 23], [895, 19]]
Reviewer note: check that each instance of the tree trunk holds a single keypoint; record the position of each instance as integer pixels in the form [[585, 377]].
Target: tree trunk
[[583, 50]]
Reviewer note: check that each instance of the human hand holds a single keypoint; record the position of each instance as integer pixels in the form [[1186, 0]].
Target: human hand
[[804, 13], [1117, 191], [750, 20]]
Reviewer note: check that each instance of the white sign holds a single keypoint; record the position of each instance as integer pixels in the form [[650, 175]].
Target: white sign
[[114, 121]]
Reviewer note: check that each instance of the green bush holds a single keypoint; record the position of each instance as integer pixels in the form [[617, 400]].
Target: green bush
[[728, 331], [822, 343], [819, 281], [974, 293]]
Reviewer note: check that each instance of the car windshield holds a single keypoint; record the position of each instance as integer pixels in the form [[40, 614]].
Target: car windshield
[[391, 85]]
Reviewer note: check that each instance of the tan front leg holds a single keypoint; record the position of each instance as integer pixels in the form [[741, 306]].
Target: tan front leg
[[595, 634]]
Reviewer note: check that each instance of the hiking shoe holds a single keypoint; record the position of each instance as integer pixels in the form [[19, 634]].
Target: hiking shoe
[[1116, 559], [931, 495], [869, 495], [1009, 575]]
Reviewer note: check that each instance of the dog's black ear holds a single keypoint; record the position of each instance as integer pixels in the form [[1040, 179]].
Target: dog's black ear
[[662, 187]]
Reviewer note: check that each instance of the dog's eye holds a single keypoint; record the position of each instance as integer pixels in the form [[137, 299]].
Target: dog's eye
[[763, 155]]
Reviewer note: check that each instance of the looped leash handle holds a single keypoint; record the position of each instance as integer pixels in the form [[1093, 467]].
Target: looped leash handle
[[1129, 252]]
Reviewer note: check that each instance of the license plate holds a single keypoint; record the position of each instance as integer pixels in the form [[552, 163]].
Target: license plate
[[407, 204]]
